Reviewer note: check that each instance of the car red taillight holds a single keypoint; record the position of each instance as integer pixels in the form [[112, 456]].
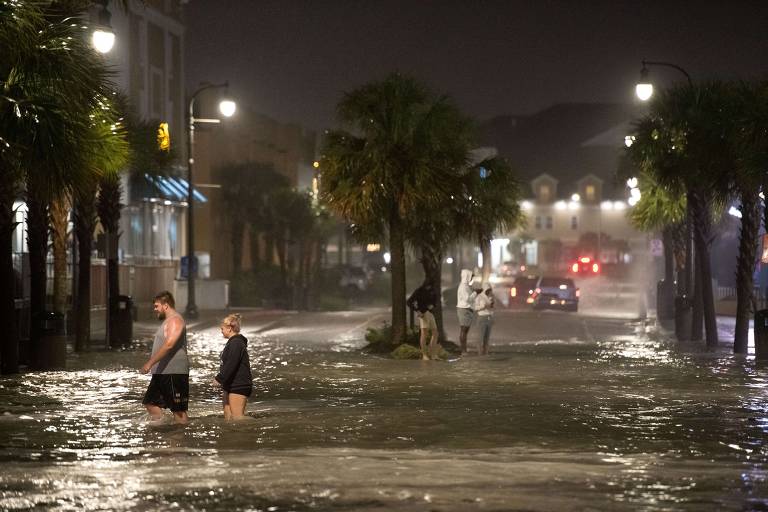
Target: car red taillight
[[578, 293], [595, 268]]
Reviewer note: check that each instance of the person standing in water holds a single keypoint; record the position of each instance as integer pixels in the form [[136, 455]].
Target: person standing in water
[[465, 296], [484, 309], [234, 375], [169, 364]]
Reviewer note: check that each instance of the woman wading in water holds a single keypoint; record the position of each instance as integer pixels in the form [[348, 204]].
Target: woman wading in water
[[234, 375]]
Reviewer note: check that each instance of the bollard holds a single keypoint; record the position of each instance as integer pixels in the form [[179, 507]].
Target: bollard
[[761, 334], [683, 318], [53, 343]]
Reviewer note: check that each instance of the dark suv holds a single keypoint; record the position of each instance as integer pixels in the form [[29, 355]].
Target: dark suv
[[556, 293]]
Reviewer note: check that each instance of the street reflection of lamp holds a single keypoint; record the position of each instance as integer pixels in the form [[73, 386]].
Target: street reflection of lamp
[[103, 37], [227, 107], [644, 87]]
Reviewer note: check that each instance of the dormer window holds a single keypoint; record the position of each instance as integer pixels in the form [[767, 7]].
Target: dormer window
[[590, 194], [545, 193]]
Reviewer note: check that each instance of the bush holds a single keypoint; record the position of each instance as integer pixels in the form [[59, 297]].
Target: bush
[[380, 340], [255, 288], [406, 351]]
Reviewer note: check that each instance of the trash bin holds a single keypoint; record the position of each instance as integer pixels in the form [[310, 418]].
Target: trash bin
[[123, 320], [761, 334], [683, 317], [52, 353], [664, 301]]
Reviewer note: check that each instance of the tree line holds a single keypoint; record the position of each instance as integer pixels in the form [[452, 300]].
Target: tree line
[[65, 134], [700, 148]]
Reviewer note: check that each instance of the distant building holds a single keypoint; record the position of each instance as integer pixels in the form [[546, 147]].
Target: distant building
[[567, 157]]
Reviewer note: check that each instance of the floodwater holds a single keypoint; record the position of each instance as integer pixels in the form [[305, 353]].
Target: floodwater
[[607, 415]]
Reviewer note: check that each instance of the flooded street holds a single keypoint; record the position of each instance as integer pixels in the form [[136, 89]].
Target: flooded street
[[569, 412]]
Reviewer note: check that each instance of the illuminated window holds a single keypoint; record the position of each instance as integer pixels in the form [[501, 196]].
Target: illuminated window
[[589, 192]]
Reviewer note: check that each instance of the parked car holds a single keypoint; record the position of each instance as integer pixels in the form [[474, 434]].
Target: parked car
[[354, 279], [521, 291], [556, 293]]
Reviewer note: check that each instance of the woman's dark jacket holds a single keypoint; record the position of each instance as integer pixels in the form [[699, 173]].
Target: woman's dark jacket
[[235, 370]]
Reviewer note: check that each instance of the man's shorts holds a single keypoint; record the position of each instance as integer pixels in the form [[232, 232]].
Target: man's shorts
[[427, 321], [169, 391], [465, 316]]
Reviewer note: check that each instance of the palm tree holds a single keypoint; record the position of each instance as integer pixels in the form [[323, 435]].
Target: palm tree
[[249, 186], [491, 204], [750, 139], [402, 149], [661, 208], [108, 153], [686, 143], [51, 80]]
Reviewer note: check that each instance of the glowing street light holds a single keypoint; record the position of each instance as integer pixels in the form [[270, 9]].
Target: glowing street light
[[103, 37], [644, 87], [227, 108]]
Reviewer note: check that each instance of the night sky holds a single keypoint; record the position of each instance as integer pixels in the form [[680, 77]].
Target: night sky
[[292, 59]]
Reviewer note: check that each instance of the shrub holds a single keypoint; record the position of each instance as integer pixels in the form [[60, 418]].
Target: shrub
[[380, 340]]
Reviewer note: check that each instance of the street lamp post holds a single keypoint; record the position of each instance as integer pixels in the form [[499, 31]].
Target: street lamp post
[[227, 108], [644, 87], [644, 91]]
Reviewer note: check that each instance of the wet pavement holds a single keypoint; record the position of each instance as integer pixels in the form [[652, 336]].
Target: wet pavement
[[569, 412]]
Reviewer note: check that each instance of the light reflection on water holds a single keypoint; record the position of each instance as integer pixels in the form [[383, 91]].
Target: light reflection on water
[[618, 421]]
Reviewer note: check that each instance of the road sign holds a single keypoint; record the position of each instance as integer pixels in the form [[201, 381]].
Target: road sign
[[657, 247]]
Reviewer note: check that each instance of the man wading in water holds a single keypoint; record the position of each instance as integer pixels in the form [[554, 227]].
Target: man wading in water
[[169, 387]]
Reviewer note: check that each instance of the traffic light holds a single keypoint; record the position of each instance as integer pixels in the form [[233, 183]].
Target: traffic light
[[163, 137]]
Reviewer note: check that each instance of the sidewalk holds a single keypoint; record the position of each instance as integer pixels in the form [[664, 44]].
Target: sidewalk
[[145, 328]]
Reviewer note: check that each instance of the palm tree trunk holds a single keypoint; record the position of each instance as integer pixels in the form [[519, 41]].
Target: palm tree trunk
[[9, 342], [667, 290], [109, 209], [282, 258], [269, 250], [37, 241], [58, 214], [255, 248], [697, 316], [688, 281], [702, 229], [236, 239], [485, 250], [432, 262], [397, 264], [745, 267], [85, 224]]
